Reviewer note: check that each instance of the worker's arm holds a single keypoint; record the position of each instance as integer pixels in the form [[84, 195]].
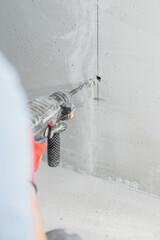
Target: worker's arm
[[40, 235], [38, 150]]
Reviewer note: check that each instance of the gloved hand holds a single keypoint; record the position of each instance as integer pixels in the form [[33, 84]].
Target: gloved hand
[[38, 150]]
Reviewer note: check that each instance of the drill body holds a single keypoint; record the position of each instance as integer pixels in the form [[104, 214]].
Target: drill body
[[47, 117]]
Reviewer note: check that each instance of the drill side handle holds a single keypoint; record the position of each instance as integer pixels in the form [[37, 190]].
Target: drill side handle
[[53, 150]]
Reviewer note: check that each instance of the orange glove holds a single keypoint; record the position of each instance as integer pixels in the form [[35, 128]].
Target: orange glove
[[38, 150]]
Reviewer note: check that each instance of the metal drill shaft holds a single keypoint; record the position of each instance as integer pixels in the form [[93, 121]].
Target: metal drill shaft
[[80, 87]]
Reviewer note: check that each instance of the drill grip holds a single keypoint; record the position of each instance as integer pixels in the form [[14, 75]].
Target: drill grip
[[53, 150]]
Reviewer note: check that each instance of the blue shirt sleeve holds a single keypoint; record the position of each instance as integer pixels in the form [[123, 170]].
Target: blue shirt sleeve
[[16, 220]]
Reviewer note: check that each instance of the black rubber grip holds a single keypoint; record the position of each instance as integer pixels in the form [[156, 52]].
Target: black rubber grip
[[53, 150]]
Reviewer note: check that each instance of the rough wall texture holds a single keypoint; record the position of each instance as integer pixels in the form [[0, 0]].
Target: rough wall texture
[[129, 37], [53, 46], [49, 42]]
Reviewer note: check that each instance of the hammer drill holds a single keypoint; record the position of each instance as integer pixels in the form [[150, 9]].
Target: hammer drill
[[47, 116]]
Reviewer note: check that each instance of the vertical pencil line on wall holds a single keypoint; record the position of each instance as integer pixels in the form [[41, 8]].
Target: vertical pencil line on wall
[[97, 48]]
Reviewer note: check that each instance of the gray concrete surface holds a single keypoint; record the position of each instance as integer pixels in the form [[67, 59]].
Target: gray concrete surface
[[53, 46], [51, 43], [129, 59], [94, 208]]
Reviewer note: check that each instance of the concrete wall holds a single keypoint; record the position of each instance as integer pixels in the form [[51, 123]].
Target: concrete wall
[[129, 148], [53, 46], [51, 43]]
